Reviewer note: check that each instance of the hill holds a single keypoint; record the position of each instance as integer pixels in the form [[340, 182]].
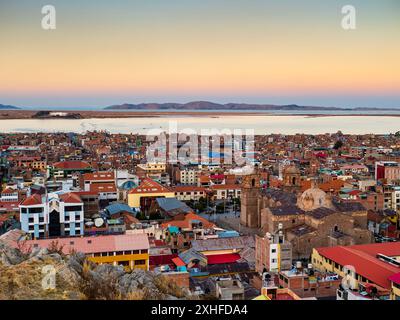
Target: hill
[[206, 105], [6, 107]]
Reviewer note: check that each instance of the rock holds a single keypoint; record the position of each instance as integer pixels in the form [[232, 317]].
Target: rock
[[38, 253], [9, 255]]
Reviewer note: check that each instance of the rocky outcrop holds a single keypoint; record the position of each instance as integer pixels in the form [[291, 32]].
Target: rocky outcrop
[[22, 275]]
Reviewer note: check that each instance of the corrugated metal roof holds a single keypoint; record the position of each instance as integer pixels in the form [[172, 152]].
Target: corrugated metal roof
[[224, 243]]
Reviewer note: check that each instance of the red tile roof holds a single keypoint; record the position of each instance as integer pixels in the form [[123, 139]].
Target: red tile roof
[[32, 200], [70, 198], [99, 176], [103, 187], [364, 259], [223, 258], [186, 222], [9, 190], [149, 186], [7, 206], [71, 165]]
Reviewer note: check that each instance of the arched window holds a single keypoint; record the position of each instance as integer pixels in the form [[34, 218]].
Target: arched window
[[293, 180], [253, 182]]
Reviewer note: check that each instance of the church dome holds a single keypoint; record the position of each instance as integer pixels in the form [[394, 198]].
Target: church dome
[[312, 199]]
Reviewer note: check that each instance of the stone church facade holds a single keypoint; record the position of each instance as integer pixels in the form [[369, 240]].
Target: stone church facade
[[310, 219]]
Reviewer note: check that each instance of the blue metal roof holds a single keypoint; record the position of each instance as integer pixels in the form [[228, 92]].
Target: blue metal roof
[[119, 207]]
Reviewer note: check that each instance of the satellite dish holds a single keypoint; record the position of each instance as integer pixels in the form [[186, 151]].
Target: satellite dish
[[89, 224], [98, 222]]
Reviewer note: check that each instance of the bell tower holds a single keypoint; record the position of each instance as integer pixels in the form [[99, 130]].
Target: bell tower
[[249, 214]]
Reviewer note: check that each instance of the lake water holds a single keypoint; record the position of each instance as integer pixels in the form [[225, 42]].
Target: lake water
[[262, 124]]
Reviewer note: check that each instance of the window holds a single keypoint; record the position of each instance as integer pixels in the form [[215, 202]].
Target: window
[[140, 262], [120, 253], [273, 251], [73, 208], [144, 251]]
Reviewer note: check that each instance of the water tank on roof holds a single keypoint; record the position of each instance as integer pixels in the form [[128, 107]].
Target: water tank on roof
[[98, 222]]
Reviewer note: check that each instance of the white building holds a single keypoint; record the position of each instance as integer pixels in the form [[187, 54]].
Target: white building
[[52, 215]]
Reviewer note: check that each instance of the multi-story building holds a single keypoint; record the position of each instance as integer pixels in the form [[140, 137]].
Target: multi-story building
[[273, 253], [371, 264], [90, 179], [187, 193], [389, 170], [224, 191], [52, 215], [9, 195], [65, 169], [128, 250], [188, 176], [396, 198]]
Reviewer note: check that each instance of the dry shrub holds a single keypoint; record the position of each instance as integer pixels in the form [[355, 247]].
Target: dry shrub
[[96, 288], [166, 286], [55, 247]]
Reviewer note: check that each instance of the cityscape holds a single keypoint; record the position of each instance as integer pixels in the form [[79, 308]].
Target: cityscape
[[215, 152], [308, 217]]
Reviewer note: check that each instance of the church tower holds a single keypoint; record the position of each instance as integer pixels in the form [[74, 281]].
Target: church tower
[[250, 191], [291, 178]]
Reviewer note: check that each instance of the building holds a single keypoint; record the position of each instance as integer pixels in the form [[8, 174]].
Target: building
[[229, 290], [388, 170], [360, 264], [306, 283], [9, 195], [129, 250], [188, 176], [273, 253], [52, 215], [188, 193], [91, 179], [143, 196], [223, 191], [65, 169], [310, 219], [395, 290]]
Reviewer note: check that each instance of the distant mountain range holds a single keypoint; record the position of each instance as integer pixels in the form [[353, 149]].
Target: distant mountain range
[[5, 107], [202, 105], [205, 105]]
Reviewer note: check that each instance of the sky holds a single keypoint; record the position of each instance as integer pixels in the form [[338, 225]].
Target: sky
[[259, 51]]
